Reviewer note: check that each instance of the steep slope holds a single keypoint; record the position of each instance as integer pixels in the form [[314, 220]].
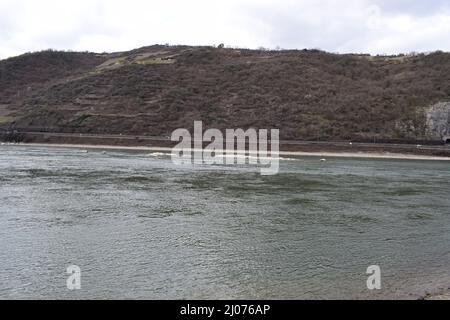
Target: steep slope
[[20, 73], [154, 90]]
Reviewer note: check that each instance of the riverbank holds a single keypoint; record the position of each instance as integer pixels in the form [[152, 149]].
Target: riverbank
[[396, 149], [335, 154], [440, 297]]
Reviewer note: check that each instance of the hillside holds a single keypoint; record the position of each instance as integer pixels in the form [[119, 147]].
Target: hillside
[[309, 94]]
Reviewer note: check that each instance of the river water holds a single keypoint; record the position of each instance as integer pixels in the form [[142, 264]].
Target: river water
[[140, 227]]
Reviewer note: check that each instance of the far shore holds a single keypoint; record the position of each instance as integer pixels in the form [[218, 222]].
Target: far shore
[[363, 155], [442, 297]]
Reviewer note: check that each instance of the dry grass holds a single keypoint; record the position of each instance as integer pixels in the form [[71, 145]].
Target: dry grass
[[155, 61], [4, 120]]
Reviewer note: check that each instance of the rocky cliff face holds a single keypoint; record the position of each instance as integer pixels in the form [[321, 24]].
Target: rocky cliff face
[[438, 121]]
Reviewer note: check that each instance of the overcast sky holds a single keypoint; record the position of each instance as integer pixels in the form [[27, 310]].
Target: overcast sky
[[372, 26]]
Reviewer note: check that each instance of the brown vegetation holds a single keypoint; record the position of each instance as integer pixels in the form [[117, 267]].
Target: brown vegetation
[[309, 94]]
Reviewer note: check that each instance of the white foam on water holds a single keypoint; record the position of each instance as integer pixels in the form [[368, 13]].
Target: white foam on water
[[158, 154]]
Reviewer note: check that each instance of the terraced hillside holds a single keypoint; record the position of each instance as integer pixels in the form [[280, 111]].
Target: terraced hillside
[[309, 94]]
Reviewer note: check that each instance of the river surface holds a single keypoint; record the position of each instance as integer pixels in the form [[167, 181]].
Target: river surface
[[140, 227]]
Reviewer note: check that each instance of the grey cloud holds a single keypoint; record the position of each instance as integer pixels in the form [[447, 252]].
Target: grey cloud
[[413, 7], [111, 25]]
